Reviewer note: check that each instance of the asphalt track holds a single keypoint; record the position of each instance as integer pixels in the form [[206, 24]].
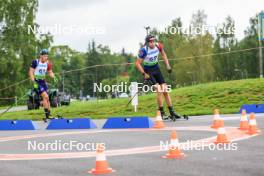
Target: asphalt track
[[135, 151], [13, 109]]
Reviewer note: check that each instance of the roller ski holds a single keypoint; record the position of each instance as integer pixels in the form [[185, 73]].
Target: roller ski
[[164, 116], [173, 116], [47, 117]]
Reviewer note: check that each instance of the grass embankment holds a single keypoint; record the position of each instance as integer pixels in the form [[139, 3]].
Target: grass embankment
[[195, 100]]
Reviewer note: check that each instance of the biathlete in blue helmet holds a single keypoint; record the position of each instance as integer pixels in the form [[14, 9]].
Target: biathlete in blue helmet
[[37, 73]]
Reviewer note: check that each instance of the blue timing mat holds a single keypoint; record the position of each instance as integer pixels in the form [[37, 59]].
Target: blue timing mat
[[16, 125], [256, 108], [75, 123], [128, 122]]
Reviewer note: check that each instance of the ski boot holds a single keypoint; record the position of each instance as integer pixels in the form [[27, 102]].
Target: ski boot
[[163, 114], [173, 116], [47, 116]]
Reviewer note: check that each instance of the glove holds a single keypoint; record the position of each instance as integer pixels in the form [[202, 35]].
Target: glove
[[55, 79], [146, 76], [35, 84]]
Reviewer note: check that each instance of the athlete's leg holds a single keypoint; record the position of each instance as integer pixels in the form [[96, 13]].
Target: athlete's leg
[[159, 95], [43, 87], [49, 105], [167, 97], [160, 80], [173, 114], [153, 80], [166, 94], [160, 102], [46, 104], [45, 99]]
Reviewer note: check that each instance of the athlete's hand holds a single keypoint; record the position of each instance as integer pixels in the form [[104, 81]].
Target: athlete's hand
[[146, 76], [169, 69]]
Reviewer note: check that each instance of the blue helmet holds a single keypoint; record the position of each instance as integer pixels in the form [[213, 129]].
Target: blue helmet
[[44, 52]]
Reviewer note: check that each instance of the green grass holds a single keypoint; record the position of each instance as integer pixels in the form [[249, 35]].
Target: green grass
[[3, 107], [195, 100]]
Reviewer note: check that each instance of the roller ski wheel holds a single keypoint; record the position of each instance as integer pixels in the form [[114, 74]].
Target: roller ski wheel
[[45, 120], [175, 117], [47, 117], [186, 117], [51, 118], [164, 116], [58, 117]]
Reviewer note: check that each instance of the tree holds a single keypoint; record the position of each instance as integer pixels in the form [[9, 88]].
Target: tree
[[18, 45], [250, 59], [225, 65]]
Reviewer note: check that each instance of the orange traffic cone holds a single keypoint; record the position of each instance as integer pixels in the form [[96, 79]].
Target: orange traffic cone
[[252, 129], [218, 121], [243, 121], [101, 165], [158, 122], [221, 136], [174, 151]]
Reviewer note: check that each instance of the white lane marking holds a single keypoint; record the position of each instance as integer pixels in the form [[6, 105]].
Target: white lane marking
[[40, 135], [238, 135]]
